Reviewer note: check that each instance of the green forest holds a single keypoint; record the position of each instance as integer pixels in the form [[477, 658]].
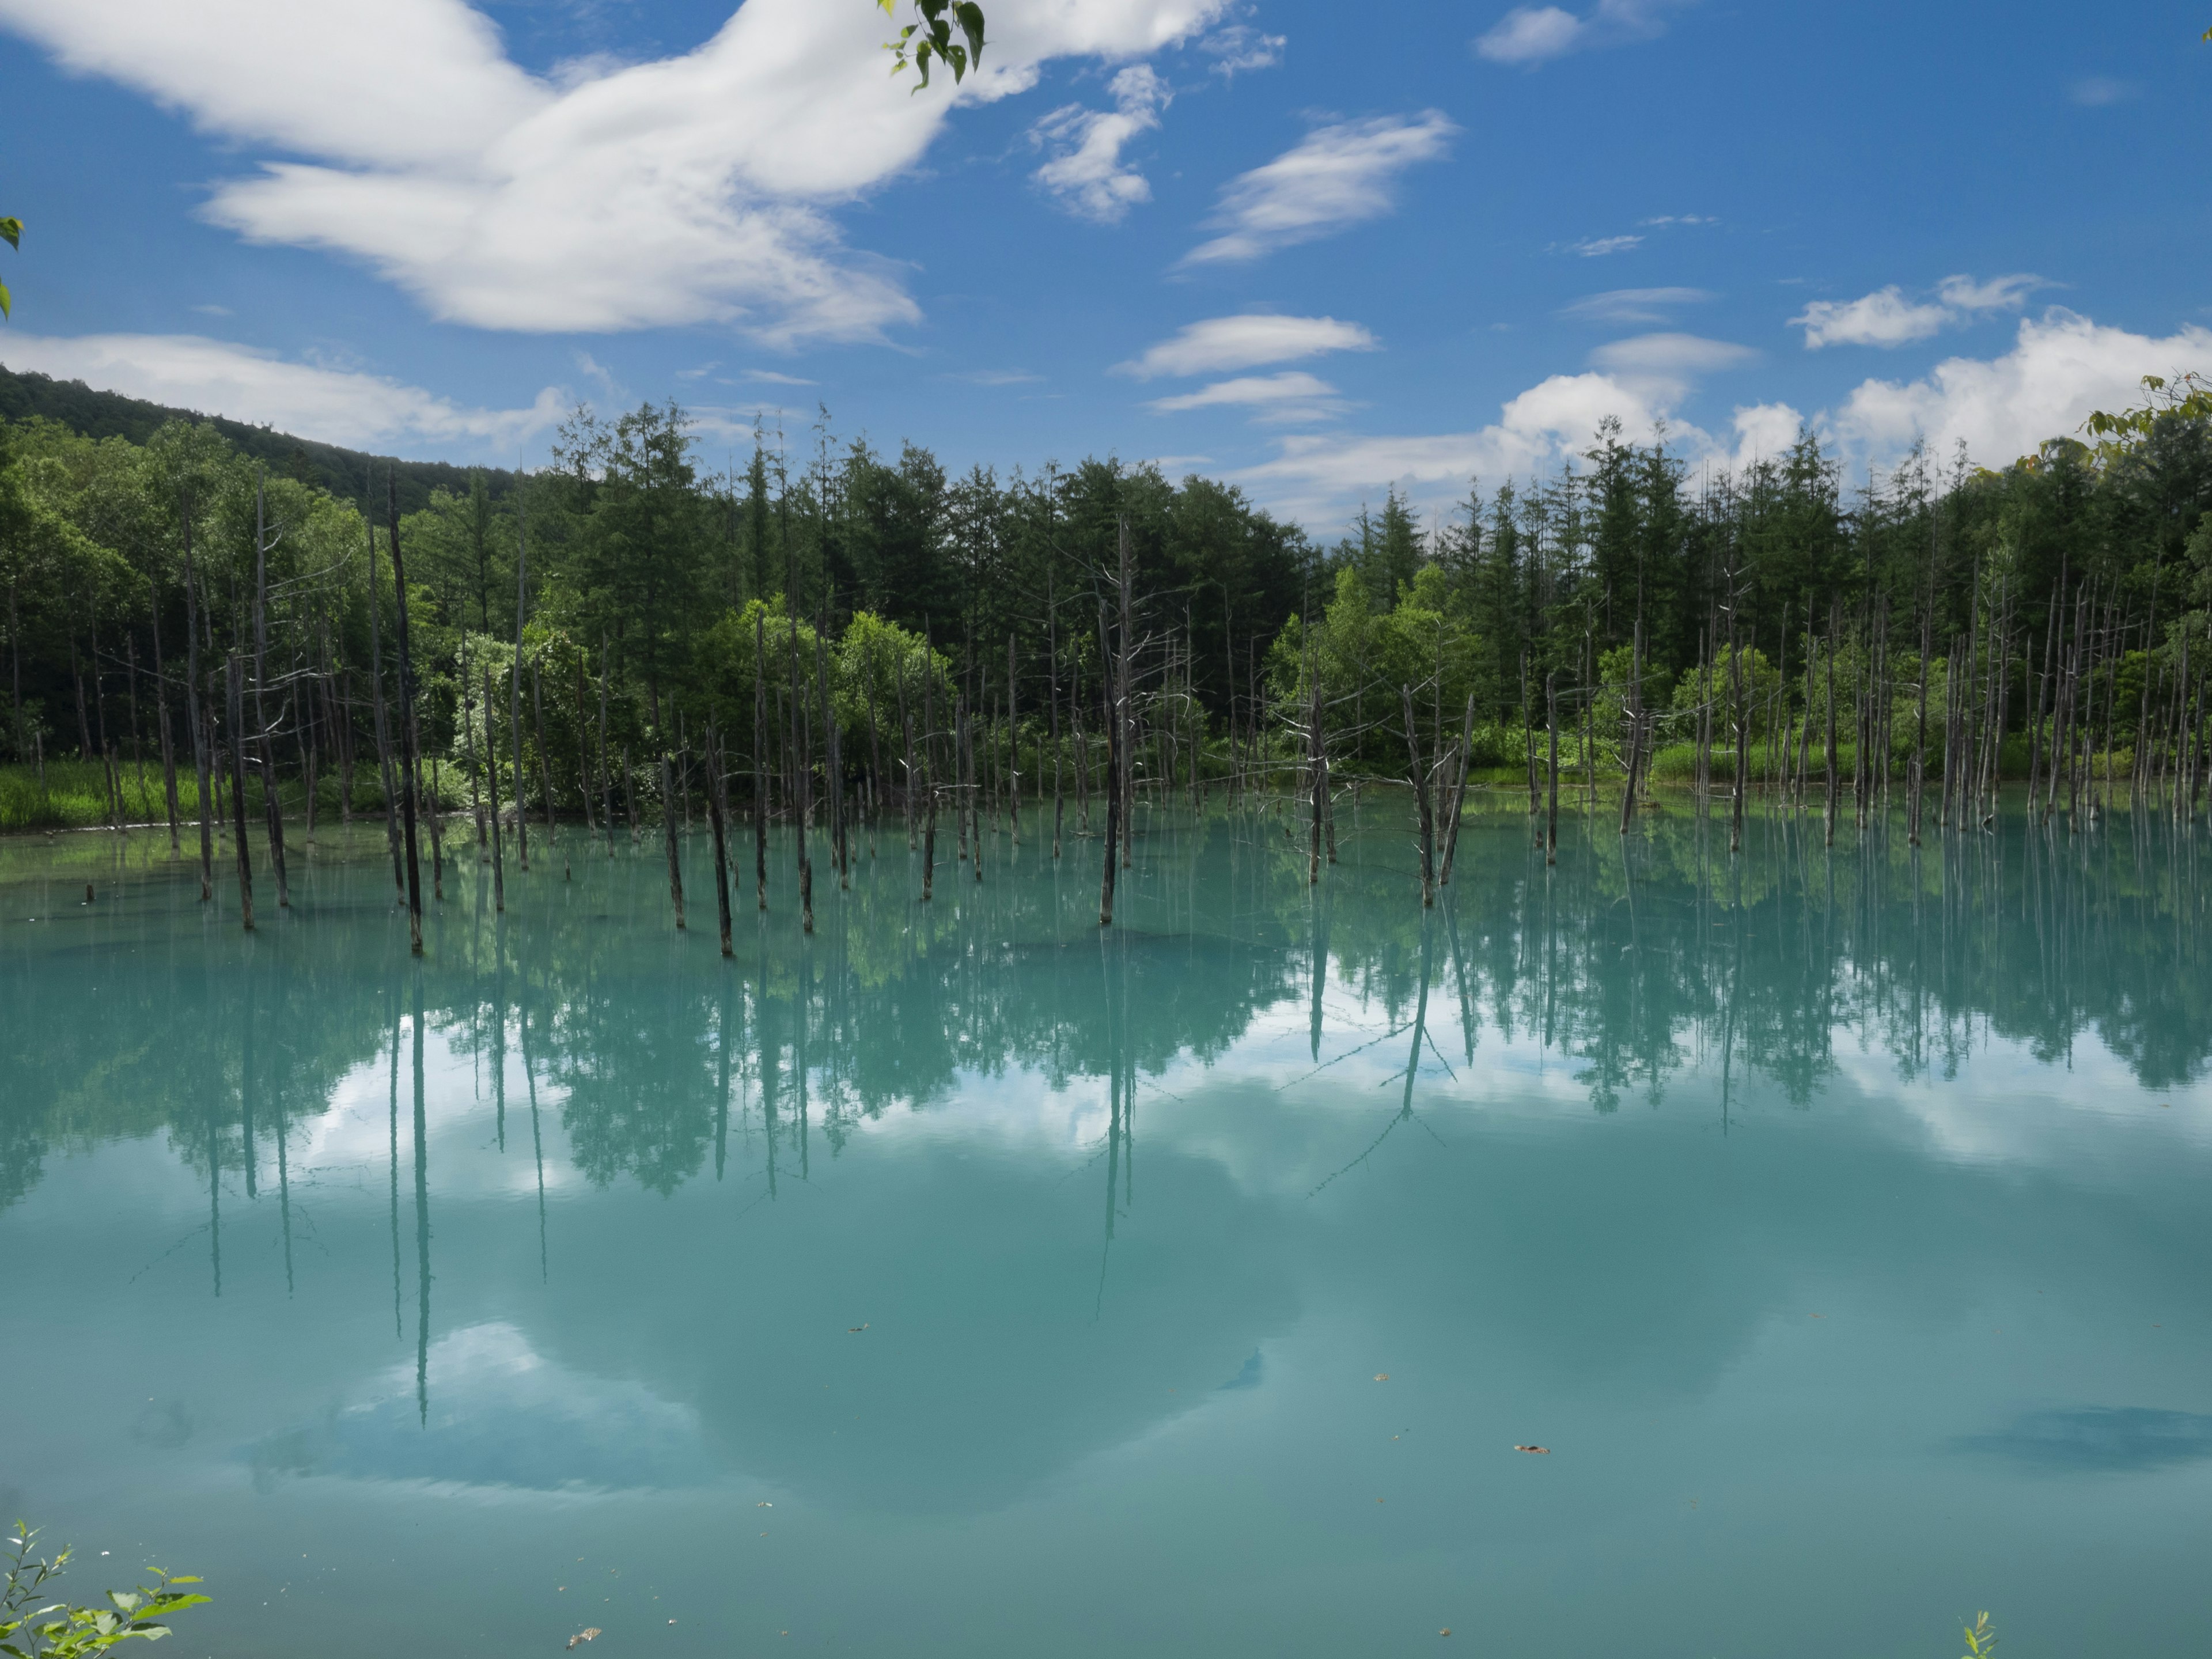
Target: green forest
[[852, 625]]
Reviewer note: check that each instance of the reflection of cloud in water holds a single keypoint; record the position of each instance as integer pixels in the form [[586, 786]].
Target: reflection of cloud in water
[[2090, 1439], [500, 1416]]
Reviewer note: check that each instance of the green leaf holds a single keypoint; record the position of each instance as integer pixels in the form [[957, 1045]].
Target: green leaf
[[971, 18], [11, 230], [5, 309]]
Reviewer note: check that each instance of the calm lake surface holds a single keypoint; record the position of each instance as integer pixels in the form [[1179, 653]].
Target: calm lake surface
[[965, 1281]]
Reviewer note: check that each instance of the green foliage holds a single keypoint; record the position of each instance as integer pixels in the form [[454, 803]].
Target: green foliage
[[938, 19], [11, 232], [1981, 1637], [31, 1628]]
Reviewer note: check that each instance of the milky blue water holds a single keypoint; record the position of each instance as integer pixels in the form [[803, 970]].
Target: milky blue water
[[965, 1280]]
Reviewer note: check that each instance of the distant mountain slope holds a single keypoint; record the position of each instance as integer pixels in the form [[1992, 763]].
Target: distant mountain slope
[[343, 472]]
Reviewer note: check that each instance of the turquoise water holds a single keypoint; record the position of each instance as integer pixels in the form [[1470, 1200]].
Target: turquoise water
[[963, 1281]]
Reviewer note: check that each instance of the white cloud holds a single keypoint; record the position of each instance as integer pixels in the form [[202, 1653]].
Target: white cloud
[[1885, 318], [1087, 172], [1531, 35], [1316, 478], [1291, 396], [1239, 48], [1341, 175], [1223, 343], [691, 189], [1763, 431], [770, 377], [1665, 366], [214, 377], [996, 377], [1998, 294], [2062, 367], [1635, 304], [1597, 247]]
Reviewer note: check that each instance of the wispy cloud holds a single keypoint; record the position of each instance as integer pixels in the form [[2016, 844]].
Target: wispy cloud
[[1276, 399], [1665, 366], [1086, 173], [2096, 91], [1239, 49], [215, 377], [1341, 175], [1886, 317], [996, 377], [1635, 304], [1530, 35], [770, 377], [1596, 247], [1223, 344]]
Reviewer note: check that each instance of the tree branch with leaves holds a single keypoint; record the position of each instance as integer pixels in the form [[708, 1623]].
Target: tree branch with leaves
[[918, 43]]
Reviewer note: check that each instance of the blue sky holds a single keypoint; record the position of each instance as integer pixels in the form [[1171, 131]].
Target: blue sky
[[1316, 249]]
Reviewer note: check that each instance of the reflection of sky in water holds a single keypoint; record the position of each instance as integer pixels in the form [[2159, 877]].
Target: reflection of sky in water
[[2098, 1439], [500, 1415], [999, 1353]]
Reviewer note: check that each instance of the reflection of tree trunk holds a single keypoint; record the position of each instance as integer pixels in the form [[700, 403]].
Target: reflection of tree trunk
[[214, 1198], [724, 1038], [1466, 1019], [398, 1328], [498, 1015], [530, 1084], [769, 1045], [1320, 968], [422, 1225], [1420, 1018]]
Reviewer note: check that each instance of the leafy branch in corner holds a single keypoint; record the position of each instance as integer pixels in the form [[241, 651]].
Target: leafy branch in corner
[[932, 38], [33, 1628]]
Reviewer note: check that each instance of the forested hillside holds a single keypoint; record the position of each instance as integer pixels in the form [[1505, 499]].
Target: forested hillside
[[346, 473]]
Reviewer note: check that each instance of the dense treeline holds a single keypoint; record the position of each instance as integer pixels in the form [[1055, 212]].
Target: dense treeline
[[828, 630]]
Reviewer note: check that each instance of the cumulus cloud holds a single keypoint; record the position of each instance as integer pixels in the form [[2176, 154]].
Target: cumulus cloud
[[1224, 344], [1276, 399], [1635, 304], [338, 406], [1886, 317], [1086, 173], [691, 189], [1530, 35], [1341, 175], [2062, 367], [1317, 477]]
